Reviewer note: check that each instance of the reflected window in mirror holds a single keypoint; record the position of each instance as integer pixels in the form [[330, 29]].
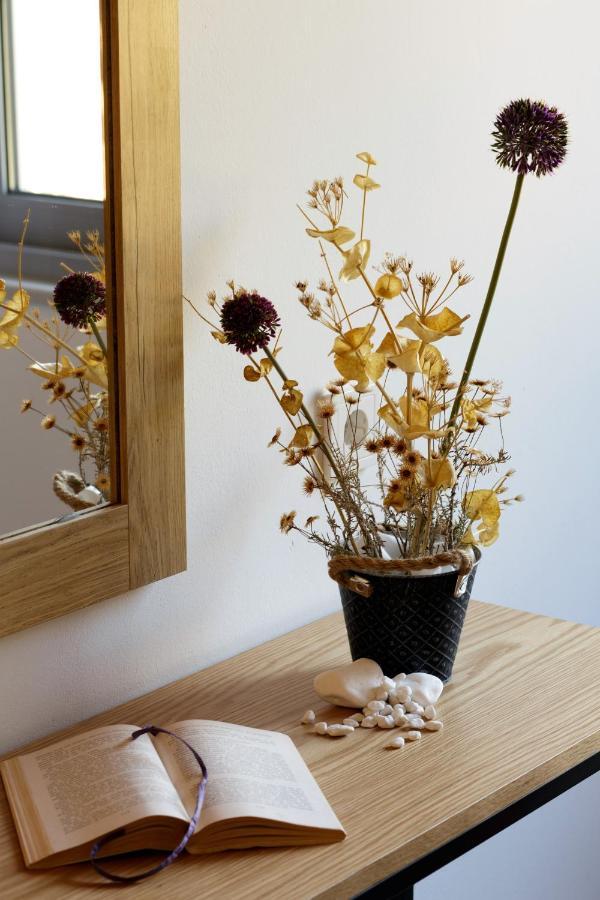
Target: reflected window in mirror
[[55, 410]]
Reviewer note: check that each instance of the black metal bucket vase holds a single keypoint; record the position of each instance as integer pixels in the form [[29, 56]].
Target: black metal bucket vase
[[406, 623]]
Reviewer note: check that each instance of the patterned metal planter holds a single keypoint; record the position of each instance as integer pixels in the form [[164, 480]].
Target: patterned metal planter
[[409, 623]]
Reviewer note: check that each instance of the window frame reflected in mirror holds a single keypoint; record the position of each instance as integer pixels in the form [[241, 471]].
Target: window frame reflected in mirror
[[58, 567], [51, 217]]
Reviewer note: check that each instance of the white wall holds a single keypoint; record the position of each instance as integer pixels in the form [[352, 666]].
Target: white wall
[[274, 93]]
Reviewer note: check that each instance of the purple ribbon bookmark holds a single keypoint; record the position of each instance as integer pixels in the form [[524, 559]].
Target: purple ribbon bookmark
[[103, 841]]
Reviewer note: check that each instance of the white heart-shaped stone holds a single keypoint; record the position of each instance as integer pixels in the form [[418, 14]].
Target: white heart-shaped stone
[[350, 685], [426, 688]]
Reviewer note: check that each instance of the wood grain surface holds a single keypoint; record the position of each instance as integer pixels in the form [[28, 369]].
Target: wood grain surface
[[503, 738], [63, 566], [147, 209]]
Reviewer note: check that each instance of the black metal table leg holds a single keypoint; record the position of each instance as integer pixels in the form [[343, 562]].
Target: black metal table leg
[[401, 885]]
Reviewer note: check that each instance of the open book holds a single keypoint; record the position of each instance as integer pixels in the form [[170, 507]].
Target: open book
[[260, 793]]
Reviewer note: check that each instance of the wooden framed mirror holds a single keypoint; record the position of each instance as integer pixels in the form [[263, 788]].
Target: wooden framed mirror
[[138, 535]]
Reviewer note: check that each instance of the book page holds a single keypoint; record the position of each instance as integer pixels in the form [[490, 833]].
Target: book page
[[86, 786], [251, 773]]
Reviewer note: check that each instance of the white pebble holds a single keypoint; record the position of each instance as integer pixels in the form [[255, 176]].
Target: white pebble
[[380, 693], [398, 707], [385, 721], [396, 742], [375, 705], [412, 707], [400, 677], [415, 721], [368, 722], [400, 719], [387, 710], [389, 683], [434, 725], [430, 712], [309, 717], [404, 693], [339, 730], [321, 728], [392, 698], [358, 717], [413, 735], [351, 722]]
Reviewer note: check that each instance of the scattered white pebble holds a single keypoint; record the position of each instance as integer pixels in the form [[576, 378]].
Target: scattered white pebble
[[413, 735], [380, 693], [339, 730], [351, 722], [358, 717], [321, 728], [434, 725], [368, 722], [309, 717], [387, 710], [396, 742], [412, 707], [375, 705], [400, 677], [398, 707], [404, 693], [400, 719], [389, 683], [430, 712], [392, 698], [385, 721], [415, 721]]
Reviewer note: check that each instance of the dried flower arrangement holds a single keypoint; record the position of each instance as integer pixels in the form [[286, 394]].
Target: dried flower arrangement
[[427, 496], [76, 378]]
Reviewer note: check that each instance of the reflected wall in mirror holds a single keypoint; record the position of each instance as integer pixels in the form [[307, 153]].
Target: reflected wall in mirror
[[55, 414]]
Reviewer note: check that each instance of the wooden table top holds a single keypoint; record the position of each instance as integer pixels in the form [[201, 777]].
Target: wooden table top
[[522, 708]]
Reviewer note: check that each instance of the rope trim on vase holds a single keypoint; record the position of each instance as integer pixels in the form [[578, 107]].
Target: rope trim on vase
[[340, 567], [66, 486]]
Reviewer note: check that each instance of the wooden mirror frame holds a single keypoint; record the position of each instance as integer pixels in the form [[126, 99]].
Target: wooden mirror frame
[[59, 567]]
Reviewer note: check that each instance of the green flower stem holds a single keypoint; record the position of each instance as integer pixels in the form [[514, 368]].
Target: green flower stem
[[488, 300], [101, 343], [322, 443]]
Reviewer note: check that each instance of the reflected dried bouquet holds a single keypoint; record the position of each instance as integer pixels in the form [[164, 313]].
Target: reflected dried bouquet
[[435, 487], [76, 378]]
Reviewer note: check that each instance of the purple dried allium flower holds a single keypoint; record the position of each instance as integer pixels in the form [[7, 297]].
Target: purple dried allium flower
[[530, 137], [80, 299], [249, 321]]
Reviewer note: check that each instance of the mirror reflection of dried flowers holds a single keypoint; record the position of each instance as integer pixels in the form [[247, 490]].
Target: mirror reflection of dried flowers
[[439, 483], [75, 380]]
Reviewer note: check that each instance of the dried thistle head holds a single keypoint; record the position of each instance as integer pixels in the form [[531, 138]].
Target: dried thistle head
[[79, 299], [286, 522], [249, 322], [530, 136]]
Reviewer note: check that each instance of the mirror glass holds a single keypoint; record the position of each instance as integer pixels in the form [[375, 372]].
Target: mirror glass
[[55, 445]]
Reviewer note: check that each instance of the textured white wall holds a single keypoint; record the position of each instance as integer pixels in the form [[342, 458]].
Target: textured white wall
[[273, 94]]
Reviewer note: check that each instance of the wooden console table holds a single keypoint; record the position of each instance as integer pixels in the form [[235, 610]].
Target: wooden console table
[[504, 751]]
